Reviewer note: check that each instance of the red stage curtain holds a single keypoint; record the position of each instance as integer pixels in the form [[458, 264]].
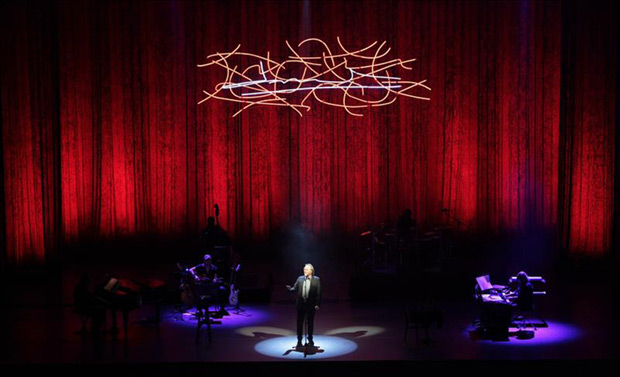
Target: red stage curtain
[[589, 102], [102, 136]]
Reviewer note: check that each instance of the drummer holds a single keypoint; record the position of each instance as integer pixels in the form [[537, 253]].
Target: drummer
[[207, 273]]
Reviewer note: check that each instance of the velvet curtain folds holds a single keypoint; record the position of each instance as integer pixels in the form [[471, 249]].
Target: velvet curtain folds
[[102, 136]]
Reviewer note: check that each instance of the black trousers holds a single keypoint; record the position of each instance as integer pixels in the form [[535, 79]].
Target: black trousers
[[305, 311], [222, 297]]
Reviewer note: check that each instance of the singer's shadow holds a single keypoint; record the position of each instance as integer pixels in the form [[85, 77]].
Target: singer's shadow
[[351, 335], [306, 350], [265, 335]]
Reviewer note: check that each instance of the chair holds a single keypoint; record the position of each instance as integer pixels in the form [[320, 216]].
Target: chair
[[421, 316], [205, 296], [522, 318], [412, 321], [525, 311], [88, 306]]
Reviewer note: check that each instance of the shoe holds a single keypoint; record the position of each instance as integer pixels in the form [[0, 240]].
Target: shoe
[[299, 345], [311, 343]]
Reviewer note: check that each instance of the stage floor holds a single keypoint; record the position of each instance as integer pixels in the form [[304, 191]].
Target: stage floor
[[344, 331], [39, 325]]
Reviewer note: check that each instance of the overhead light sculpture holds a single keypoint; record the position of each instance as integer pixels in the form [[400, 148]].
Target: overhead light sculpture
[[362, 77]]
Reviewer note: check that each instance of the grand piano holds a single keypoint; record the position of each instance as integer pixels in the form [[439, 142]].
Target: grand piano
[[126, 294]]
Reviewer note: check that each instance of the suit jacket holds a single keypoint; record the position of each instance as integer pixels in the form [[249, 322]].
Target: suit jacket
[[314, 295]]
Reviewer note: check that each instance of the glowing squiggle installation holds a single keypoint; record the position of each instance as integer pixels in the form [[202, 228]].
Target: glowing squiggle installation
[[357, 74]]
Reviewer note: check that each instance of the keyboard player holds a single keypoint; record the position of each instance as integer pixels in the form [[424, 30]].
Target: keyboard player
[[522, 297], [498, 302]]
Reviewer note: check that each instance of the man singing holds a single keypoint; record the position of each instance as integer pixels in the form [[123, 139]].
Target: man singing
[[308, 288]]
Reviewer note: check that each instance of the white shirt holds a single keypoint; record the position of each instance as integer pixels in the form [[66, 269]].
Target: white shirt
[[306, 288]]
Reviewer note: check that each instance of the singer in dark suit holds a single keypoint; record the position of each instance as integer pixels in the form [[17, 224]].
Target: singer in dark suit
[[308, 288]]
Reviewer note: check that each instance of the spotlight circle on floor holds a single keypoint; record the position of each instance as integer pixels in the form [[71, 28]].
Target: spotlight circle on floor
[[283, 347]]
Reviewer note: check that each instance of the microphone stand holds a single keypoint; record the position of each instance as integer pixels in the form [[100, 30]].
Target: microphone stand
[[306, 333], [457, 220], [460, 223]]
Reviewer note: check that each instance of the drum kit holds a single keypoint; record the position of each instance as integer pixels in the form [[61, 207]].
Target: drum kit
[[383, 246]]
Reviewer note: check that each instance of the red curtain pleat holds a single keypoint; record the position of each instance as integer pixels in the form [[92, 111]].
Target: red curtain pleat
[[518, 135]]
